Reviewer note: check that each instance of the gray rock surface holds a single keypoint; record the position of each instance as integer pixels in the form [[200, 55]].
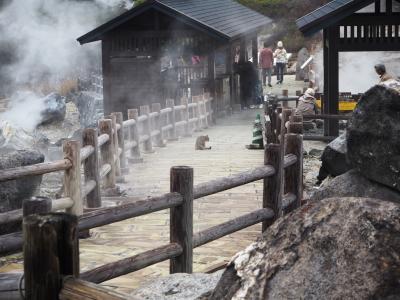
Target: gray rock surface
[[338, 248], [373, 137], [353, 184], [13, 192], [55, 109], [334, 158], [179, 287]]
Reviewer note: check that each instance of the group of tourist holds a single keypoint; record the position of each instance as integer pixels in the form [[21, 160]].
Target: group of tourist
[[266, 61]]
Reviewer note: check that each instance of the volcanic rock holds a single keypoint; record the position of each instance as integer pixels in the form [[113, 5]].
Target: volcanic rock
[[179, 287], [373, 137], [338, 248], [55, 109], [353, 184], [334, 159], [13, 138]]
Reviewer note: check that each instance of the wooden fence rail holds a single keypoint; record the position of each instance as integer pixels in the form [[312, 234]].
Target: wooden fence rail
[[105, 153], [282, 193], [277, 115]]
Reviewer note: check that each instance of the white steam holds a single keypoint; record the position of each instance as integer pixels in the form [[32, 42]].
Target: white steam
[[26, 110], [42, 35], [356, 69]]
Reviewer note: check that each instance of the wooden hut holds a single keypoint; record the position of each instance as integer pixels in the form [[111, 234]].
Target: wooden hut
[[350, 26], [171, 48]]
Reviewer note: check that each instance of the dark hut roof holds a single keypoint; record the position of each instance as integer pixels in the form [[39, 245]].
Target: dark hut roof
[[329, 14], [225, 19]]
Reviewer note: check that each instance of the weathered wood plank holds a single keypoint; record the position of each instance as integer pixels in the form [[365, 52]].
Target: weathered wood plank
[[226, 183], [72, 177], [75, 289], [107, 152], [37, 169], [219, 231], [294, 174], [110, 215], [272, 192], [132, 264], [91, 169], [50, 251], [181, 219]]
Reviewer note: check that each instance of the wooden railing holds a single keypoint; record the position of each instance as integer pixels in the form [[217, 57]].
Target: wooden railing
[[104, 156], [278, 113], [282, 177]]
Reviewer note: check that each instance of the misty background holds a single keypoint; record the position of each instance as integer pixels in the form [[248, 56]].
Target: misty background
[[39, 51]]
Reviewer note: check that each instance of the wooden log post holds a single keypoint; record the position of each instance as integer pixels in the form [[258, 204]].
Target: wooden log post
[[91, 167], [107, 154], [117, 163], [50, 253], [36, 205], [72, 177], [148, 145], [186, 117], [285, 93], [172, 133], [159, 139], [286, 113], [134, 136], [294, 174], [298, 94], [278, 124], [121, 143], [269, 137], [181, 219], [272, 192], [273, 119]]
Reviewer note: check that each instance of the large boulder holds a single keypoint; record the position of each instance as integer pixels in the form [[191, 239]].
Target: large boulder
[[54, 110], [13, 192], [179, 287], [353, 184], [373, 136], [88, 104], [334, 159], [338, 248], [15, 138]]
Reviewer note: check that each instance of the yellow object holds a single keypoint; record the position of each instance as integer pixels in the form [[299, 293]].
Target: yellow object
[[343, 105]]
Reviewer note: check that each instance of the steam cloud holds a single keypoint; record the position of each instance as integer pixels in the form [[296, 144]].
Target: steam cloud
[[356, 69], [38, 44]]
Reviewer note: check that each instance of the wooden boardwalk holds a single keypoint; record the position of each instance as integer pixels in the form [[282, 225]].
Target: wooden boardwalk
[[124, 239], [228, 156]]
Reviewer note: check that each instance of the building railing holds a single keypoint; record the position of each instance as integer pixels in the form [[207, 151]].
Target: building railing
[[104, 155], [282, 175]]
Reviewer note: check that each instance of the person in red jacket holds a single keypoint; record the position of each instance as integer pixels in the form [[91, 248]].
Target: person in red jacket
[[266, 60]]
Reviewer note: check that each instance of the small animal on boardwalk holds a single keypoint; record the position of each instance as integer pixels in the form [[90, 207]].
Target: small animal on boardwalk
[[201, 143]]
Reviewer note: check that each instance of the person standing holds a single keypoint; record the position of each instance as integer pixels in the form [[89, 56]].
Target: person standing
[[266, 61], [281, 60]]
